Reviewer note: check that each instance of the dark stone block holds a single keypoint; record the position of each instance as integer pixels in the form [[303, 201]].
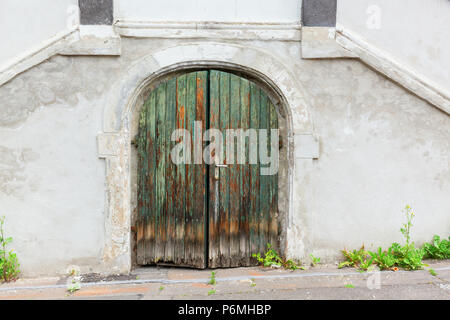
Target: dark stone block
[[96, 12], [319, 13]]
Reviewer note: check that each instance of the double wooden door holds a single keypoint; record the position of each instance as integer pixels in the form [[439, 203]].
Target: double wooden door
[[194, 213]]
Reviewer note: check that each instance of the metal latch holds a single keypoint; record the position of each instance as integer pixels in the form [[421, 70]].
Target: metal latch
[[217, 170]]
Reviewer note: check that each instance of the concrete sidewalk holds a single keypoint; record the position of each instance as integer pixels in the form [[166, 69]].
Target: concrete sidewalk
[[321, 282]]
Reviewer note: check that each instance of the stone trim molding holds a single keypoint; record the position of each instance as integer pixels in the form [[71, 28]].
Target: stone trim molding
[[114, 143], [210, 30], [80, 40], [103, 40], [317, 43], [38, 54], [320, 43], [384, 63], [265, 66], [95, 40]]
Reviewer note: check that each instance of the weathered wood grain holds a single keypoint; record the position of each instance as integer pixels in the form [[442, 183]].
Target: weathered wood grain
[[214, 200], [185, 214], [180, 194], [224, 180], [235, 196], [244, 175], [255, 103]]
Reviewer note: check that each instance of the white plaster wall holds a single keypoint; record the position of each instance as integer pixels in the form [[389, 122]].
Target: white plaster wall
[[51, 179], [381, 147], [210, 10], [25, 24], [54, 205], [414, 32]]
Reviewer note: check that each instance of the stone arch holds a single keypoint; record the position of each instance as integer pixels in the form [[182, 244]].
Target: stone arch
[[114, 142]]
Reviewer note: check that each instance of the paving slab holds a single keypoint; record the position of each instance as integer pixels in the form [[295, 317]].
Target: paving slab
[[321, 282]]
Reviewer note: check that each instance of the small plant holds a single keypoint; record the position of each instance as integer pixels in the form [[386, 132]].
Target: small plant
[[161, 288], [212, 279], [74, 286], [211, 292], [438, 249], [406, 229], [289, 264], [384, 259], [72, 273], [252, 284], [9, 265], [314, 260], [407, 256], [349, 286], [432, 272], [366, 265], [272, 259], [360, 259]]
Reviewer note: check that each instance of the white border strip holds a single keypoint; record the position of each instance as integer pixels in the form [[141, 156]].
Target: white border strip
[[387, 65]]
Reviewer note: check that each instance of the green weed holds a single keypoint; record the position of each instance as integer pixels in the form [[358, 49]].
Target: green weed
[[437, 249], [212, 279], [406, 256], [314, 260], [211, 292], [432, 272], [272, 259], [9, 265]]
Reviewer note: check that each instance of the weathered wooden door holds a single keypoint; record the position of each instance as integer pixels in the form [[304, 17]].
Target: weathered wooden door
[[199, 214]]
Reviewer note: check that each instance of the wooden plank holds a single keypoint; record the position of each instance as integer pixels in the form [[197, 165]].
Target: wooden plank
[[149, 172], [273, 225], [190, 172], [180, 194], [224, 183], [160, 172], [264, 208], [214, 123], [200, 174], [171, 187], [244, 175], [141, 181], [235, 196], [255, 102]]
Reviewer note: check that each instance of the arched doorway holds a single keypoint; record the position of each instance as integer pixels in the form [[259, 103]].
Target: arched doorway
[[219, 205], [121, 121]]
